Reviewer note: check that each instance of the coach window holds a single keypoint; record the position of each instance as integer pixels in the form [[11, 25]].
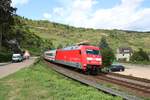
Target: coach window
[[51, 54]]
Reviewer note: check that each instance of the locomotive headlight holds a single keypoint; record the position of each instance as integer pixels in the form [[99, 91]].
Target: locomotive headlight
[[98, 59], [89, 58]]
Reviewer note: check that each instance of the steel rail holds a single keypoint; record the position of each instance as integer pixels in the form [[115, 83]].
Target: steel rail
[[88, 81], [129, 80], [130, 77], [141, 88]]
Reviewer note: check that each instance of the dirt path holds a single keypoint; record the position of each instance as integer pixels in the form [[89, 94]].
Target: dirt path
[[13, 67], [137, 70]]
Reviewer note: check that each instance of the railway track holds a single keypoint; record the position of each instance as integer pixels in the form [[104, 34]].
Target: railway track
[[141, 88]]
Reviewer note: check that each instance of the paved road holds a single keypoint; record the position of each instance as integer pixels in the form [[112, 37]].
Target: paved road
[[142, 71], [128, 65], [13, 67], [6, 63]]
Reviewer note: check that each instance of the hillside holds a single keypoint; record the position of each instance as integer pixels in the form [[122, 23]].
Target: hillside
[[37, 36], [25, 38], [64, 35], [19, 37]]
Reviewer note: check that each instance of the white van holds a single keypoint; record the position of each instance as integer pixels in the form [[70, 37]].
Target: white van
[[17, 58]]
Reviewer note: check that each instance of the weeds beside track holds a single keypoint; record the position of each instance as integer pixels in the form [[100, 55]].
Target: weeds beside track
[[92, 81]]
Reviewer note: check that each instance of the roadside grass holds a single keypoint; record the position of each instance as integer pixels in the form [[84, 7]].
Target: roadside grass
[[39, 82]]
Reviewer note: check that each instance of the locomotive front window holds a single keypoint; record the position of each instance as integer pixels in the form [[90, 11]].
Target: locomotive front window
[[93, 52]]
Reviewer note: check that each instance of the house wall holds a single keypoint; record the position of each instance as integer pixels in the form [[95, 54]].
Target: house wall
[[121, 56]]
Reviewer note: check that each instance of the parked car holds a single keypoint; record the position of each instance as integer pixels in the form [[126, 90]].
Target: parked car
[[115, 68], [17, 58]]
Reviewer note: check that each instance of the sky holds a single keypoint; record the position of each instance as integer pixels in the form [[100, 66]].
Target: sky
[[98, 14]]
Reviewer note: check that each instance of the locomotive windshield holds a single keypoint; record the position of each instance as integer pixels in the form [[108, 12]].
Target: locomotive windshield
[[93, 52]]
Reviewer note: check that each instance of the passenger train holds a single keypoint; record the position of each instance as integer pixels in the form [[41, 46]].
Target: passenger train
[[84, 57]]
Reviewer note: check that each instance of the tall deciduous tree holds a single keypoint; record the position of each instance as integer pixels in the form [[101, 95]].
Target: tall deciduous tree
[[6, 17], [107, 53]]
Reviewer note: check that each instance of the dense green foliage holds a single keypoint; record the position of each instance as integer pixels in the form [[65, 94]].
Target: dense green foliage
[[68, 35], [37, 36], [6, 18], [107, 56], [103, 43], [107, 53], [27, 39], [5, 57], [41, 83], [140, 56], [6, 21]]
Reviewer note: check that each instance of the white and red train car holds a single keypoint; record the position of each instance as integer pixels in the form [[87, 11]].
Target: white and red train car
[[50, 55], [84, 57]]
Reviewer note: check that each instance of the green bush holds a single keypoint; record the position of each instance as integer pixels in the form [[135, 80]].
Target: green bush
[[5, 57], [140, 56]]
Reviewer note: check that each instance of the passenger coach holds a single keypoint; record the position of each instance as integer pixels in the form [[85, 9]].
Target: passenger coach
[[50, 55]]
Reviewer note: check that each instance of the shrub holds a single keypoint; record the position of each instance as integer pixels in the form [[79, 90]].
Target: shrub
[[5, 57], [140, 56]]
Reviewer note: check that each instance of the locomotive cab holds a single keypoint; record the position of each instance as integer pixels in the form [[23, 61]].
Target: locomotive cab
[[84, 57], [92, 60]]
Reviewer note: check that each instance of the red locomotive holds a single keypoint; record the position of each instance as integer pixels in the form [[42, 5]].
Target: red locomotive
[[84, 57]]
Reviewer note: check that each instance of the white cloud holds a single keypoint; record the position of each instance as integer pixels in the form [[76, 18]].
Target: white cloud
[[120, 16], [58, 11], [126, 15], [47, 16], [19, 2]]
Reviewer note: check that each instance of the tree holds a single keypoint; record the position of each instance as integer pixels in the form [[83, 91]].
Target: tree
[[140, 55], [107, 53], [107, 56], [6, 19], [59, 46], [103, 43]]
